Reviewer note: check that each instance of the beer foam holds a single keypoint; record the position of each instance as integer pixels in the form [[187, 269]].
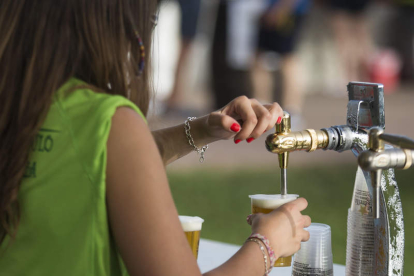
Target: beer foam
[[271, 201], [191, 223]]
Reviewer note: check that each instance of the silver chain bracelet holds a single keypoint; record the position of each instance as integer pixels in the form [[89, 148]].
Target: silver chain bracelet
[[191, 140]]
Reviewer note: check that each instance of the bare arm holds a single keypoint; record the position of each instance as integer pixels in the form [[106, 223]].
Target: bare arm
[[173, 144], [241, 119], [141, 210], [142, 213]]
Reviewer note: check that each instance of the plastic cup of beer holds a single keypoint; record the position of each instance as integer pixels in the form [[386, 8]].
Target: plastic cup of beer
[[192, 229], [266, 204]]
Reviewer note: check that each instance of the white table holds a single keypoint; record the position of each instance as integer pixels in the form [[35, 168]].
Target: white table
[[212, 254]]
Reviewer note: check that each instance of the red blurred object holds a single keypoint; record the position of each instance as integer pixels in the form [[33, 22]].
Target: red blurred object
[[385, 67]]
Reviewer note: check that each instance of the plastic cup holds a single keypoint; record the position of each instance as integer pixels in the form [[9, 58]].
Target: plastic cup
[[192, 228], [360, 243], [315, 255], [267, 203]]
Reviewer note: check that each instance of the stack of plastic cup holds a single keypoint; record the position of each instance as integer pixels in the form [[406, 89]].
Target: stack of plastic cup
[[360, 244], [315, 256]]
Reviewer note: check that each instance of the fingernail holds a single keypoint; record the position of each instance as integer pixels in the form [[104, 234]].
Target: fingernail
[[237, 141], [249, 139], [235, 127], [279, 120]]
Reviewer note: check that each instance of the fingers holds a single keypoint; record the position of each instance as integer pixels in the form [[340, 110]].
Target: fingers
[[276, 114], [252, 218], [249, 117], [297, 220], [256, 118], [307, 221], [264, 119], [225, 122], [300, 204], [305, 235]]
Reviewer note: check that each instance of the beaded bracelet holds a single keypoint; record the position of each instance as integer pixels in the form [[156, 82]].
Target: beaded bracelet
[[263, 251], [270, 251]]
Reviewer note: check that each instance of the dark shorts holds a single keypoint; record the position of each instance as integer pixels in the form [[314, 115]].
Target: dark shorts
[[283, 40], [190, 10], [351, 6]]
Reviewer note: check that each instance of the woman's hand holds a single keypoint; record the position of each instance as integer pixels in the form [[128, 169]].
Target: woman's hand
[[243, 119], [283, 227]]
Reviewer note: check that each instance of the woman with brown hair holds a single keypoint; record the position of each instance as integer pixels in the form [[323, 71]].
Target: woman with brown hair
[[83, 190]]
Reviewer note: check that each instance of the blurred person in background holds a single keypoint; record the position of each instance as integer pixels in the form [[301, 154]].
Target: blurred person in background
[[83, 188], [190, 10], [231, 56], [402, 36], [243, 27], [279, 30], [352, 38]]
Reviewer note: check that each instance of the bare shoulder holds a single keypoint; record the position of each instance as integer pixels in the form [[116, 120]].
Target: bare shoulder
[[127, 120], [129, 134], [130, 145]]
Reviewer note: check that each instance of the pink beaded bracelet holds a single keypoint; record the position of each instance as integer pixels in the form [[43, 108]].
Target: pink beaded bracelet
[[259, 243], [270, 251]]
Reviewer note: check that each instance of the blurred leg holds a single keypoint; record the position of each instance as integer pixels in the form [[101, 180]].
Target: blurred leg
[[344, 40], [227, 82], [365, 49], [292, 84], [179, 83], [190, 10], [352, 37]]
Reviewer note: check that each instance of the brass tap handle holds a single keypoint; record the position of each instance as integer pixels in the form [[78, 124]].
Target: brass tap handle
[[283, 129], [284, 141], [284, 126], [308, 140]]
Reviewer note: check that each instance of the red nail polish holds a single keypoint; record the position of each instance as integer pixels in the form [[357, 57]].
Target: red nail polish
[[249, 139], [237, 141], [279, 120], [235, 127]]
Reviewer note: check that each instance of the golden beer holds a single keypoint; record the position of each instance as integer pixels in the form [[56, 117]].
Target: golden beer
[[192, 229], [193, 239], [267, 203]]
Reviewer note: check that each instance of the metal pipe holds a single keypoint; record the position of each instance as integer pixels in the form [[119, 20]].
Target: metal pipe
[[283, 181]]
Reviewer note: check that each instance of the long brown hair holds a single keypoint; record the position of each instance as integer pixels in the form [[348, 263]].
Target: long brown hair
[[42, 45]]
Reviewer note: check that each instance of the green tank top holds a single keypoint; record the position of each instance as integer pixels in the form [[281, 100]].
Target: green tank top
[[64, 228]]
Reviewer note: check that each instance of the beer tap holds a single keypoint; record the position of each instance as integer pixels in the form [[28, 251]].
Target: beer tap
[[284, 141], [365, 112], [377, 158]]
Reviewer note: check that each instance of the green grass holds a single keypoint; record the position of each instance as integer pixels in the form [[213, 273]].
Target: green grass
[[221, 198]]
